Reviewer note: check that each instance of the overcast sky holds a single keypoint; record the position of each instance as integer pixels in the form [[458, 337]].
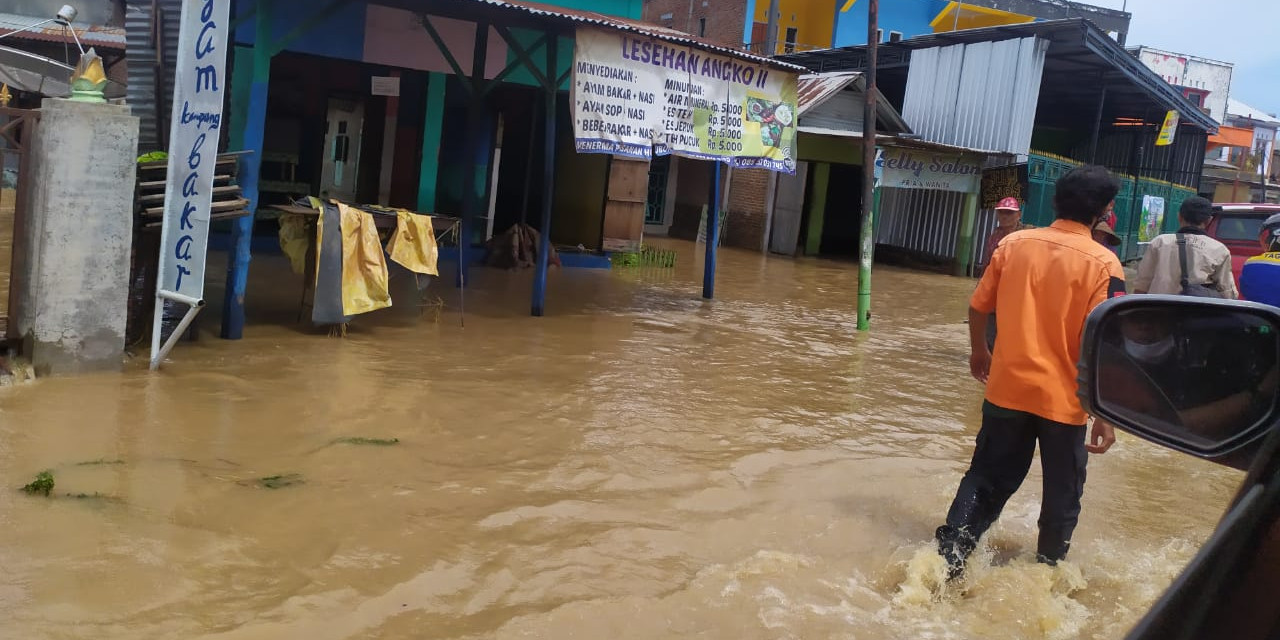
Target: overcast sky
[[1244, 32]]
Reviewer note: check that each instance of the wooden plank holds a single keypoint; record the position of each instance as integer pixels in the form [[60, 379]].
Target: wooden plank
[[628, 180], [623, 225], [160, 184], [226, 215], [217, 191], [164, 166], [224, 205]]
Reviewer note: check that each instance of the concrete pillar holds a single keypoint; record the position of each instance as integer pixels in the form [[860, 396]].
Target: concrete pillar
[[72, 310]]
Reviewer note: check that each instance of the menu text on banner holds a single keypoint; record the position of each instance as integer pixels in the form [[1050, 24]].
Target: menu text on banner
[[199, 81], [638, 97]]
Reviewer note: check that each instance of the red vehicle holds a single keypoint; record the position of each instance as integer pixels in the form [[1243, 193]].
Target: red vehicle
[[1237, 226]]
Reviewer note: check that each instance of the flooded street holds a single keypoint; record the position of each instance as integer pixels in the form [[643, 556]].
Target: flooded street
[[638, 464]]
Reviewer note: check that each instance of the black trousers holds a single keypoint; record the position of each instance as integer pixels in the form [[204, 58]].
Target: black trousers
[[1006, 445]]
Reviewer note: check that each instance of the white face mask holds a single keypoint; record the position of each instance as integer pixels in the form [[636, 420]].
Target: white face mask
[[1149, 353]]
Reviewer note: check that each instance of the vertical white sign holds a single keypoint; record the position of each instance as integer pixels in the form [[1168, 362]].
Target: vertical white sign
[[199, 81]]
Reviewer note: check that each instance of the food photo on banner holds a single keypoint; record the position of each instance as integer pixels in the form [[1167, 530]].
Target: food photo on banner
[[641, 97]]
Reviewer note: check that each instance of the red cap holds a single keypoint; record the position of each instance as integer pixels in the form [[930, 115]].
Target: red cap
[[1010, 203]]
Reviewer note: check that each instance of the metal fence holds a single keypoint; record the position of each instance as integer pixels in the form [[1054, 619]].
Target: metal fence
[[920, 220], [17, 131]]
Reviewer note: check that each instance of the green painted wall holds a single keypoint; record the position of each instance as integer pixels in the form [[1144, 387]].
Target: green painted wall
[[431, 130], [564, 58], [817, 208], [816, 148]]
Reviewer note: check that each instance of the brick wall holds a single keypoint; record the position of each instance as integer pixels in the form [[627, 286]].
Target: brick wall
[[748, 196], [725, 19]]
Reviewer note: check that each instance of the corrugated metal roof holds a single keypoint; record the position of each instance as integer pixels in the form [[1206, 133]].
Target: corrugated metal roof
[[815, 88], [1242, 110], [100, 36], [1078, 48], [980, 94], [152, 104], [634, 26], [885, 140]]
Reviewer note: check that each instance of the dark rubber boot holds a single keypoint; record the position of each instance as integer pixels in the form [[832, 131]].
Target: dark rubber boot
[[955, 545]]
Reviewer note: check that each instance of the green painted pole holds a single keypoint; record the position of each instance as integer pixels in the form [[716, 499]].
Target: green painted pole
[[964, 239], [870, 194], [817, 208], [432, 128], [866, 257]]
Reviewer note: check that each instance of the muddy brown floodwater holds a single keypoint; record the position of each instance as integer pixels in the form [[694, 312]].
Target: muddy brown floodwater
[[638, 464]]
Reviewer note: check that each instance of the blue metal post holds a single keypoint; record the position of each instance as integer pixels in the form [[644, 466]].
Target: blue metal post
[[713, 236], [250, 131], [548, 183], [478, 147]]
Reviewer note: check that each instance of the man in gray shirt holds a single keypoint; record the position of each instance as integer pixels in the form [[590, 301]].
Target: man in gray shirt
[[1208, 261]]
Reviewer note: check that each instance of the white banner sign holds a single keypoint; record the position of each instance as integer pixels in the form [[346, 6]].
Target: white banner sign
[[199, 81], [912, 169], [638, 97]]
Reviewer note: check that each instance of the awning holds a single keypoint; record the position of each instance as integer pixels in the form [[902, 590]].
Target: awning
[[1081, 61], [578, 17], [902, 142], [99, 36], [1231, 137]]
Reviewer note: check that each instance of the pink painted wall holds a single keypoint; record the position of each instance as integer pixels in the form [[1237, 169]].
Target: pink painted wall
[[396, 37]]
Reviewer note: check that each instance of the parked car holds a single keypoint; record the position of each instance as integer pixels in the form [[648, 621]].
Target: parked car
[[1237, 226], [1211, 389]]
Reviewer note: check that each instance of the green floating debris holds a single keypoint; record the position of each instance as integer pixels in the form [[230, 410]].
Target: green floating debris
[[645, 257], [279, 482], [99, 461], [43, 484], [374, 442]]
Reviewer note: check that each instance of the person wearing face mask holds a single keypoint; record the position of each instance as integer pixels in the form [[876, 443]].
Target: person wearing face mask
[[1156, 367], [1148, 337], [1042, 284]]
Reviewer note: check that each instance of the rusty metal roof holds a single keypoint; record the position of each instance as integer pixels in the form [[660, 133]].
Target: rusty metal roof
[[99, 36], [634, 26], [815, 88]]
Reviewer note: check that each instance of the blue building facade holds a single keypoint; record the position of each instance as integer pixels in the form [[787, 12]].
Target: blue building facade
[[909, 18]]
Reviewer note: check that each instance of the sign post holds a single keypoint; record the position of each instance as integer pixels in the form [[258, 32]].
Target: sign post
[[199, 81]]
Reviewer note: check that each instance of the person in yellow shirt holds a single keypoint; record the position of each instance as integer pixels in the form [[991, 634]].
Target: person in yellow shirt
[[1042, 284]]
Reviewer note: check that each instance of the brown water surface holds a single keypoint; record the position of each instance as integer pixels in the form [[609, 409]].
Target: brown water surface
[[638, 464]]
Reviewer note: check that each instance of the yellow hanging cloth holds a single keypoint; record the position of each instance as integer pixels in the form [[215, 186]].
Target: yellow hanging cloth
[[293, 240], [413, 245], [364, 268], [318, 205]]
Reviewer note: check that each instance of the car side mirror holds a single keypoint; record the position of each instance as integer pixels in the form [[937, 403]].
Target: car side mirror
[[1196, 375]]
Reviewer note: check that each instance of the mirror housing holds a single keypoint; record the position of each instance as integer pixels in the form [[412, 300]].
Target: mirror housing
[[1196, 375]]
